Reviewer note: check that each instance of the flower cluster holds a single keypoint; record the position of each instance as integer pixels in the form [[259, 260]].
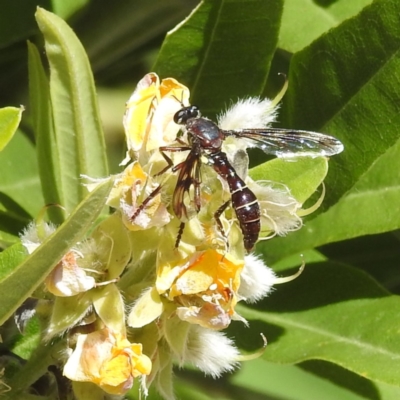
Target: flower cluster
[[150, 288]]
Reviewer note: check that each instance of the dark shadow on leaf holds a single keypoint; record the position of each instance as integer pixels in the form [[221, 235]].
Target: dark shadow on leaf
[[249, 338], [319, 285], [370, 253], [12, 206], [324, 3], [221, 388], [14, 218], [342, 377]]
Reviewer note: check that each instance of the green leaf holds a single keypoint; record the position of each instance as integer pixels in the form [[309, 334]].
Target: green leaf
[[304, 21], [37, 366], [19, 178], [10, 117], [27, 276], [208, 52], [343, 84], [67, 312], [43, 126], [369, 164], [87, 391], [25, 344], [301, 175], [332, 313], [10, 258], [67, 8], [118, 34], [369, 208], [185, 390], [78, 135], [304, 385]]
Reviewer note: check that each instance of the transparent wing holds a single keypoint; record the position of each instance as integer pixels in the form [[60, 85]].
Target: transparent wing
[[289, 142], [186, 198]]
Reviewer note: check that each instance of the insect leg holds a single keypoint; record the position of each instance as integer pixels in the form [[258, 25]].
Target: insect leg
[[180, 233], [146, 201], [171, 149], [218, 214]]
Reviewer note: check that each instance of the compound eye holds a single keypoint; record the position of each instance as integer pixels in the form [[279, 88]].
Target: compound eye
[[181, 116]]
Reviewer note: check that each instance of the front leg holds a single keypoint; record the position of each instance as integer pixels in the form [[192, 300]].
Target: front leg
[[172, 149]]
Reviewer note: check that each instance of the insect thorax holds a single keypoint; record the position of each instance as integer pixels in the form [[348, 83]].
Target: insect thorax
[[206, 132]]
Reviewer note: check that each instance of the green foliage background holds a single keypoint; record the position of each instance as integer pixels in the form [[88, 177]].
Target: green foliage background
[[334, 333]]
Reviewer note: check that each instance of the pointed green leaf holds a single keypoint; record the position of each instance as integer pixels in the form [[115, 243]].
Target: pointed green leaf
[[209, 54], [366, 118], [343, 84], [46, 145], [369, 208], [305, 384], [333, 313], [78, 138], [27, 276], [10, 117]]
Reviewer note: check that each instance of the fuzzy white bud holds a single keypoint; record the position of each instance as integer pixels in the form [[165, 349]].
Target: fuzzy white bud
[[256, 279]]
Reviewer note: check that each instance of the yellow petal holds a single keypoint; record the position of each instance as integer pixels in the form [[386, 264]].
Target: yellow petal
[[138, 109]]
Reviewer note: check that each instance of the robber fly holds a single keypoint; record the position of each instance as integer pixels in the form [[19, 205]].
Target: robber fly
[[205, 139]]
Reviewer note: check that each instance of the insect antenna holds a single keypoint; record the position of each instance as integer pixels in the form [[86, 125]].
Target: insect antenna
[[179, 101]]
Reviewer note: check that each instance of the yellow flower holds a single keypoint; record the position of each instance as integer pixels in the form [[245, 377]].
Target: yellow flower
[[108, 360], [148, 119], [139, 199], [203, 287]]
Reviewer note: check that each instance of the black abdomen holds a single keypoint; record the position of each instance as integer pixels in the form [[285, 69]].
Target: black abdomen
[[244, 201]]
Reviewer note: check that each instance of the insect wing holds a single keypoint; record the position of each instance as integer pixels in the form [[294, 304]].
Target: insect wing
[[186, 198], [289, 142]]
